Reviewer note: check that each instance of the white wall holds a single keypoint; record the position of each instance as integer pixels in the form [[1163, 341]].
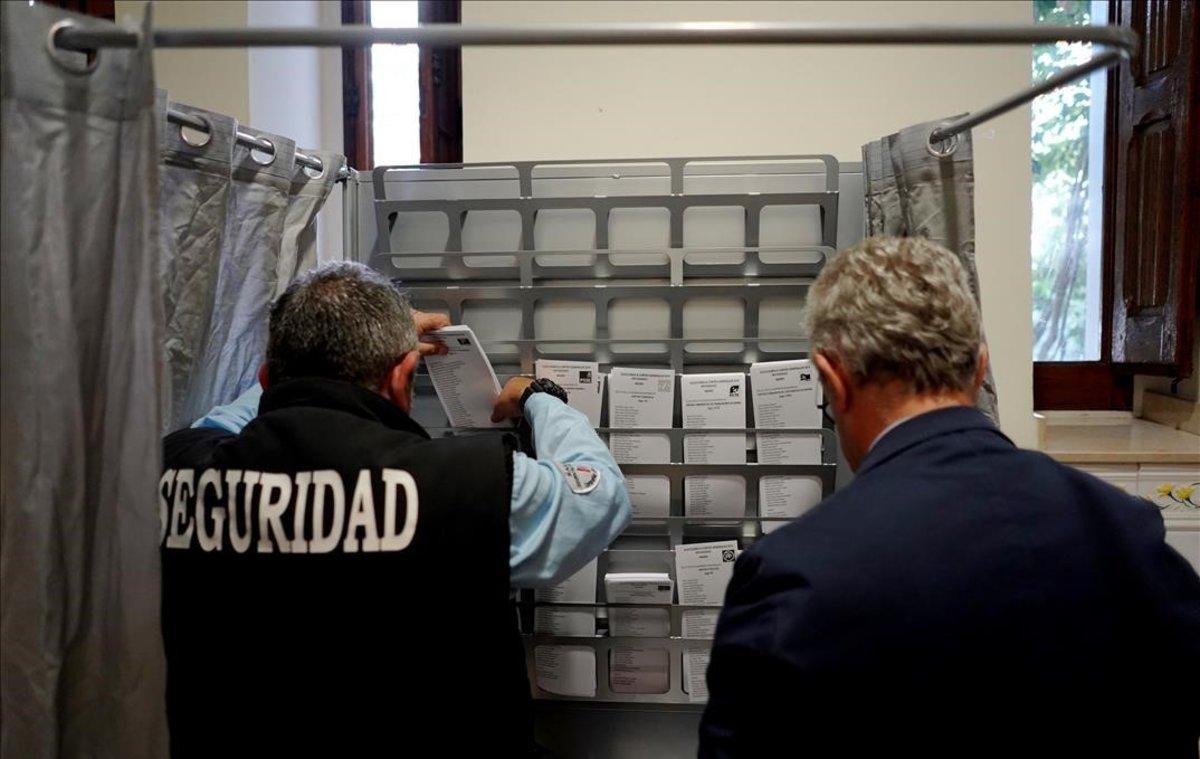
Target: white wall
[[296, 92], [529, 103], [214, 79]]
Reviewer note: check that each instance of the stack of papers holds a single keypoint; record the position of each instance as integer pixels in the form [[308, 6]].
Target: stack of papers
[[464, 379], [643, 398], [704, 571], [786, 394], [639, 670], [714, 400], [578, 588], [639, 588], [582, 381], [565, 670]]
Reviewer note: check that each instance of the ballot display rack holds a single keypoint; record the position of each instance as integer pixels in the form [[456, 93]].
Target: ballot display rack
[[538, 258]]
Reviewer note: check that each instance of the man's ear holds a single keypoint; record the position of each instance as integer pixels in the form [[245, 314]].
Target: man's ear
[[835, 379], [399, 387], [981, 370], [263, 375]]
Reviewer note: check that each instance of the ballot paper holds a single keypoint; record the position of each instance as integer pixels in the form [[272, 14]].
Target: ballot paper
[[696, 656], [581, 380], [643, 398], [578, 588], [565, 670], [638, 588], [786, 394], [786, 497], [464, 379], [704, 571], [714, 400], [639, 670]]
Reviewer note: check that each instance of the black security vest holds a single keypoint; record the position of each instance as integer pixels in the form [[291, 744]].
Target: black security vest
[[335, 583]]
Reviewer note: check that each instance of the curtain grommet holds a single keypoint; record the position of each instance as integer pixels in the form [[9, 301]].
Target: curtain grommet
[[207, 131], [314, 173], [256, 149], [66, 58], [943, 148]]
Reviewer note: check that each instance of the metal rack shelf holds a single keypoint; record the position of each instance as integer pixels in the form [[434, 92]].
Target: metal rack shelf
[[526, 278]]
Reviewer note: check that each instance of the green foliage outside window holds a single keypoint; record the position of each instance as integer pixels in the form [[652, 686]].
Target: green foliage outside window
[[1061, 186]]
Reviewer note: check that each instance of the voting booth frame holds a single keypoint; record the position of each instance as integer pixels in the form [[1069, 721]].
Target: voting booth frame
[[696, 265]]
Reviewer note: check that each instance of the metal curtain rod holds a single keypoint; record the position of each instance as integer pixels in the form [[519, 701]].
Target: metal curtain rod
[[196, 122], [676, 33], [1120, 41]]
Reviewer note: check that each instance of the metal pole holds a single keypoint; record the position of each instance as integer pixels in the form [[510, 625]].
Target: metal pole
[[1100, 60], [692, 33]]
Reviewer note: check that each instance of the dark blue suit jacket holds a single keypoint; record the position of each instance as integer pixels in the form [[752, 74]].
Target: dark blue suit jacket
[[960, 597]]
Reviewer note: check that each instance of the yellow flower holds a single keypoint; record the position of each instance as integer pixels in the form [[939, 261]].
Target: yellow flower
[[1164, 489], [1184, 492]]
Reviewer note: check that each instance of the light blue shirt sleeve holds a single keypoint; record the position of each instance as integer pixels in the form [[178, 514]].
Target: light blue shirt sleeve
[[556, 530], [232, 417]]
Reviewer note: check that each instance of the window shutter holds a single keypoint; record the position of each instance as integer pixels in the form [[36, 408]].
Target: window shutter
[[1154, 186]]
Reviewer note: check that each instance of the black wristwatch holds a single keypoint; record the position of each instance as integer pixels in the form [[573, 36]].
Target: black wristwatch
[[543, 385]]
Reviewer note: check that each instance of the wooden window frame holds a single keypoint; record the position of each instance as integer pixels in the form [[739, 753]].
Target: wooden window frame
[[1108, 384], [440, 74]]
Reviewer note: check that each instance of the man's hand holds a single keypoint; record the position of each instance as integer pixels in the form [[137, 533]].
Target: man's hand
[[508, 404], [427, 323]]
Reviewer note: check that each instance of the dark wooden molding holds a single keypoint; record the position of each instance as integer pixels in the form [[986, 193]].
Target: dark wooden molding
[[441, 88], [1156, 165], [356, 91], [105, 9], [1085, 385]]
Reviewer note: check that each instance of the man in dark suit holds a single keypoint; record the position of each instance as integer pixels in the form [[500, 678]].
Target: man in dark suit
[[961, 596]]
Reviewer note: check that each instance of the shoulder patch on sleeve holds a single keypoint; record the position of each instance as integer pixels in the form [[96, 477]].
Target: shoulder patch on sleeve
[[581, 478]]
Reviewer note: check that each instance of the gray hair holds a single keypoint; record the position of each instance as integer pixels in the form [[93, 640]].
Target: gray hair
[[897, 308], [340, 321]]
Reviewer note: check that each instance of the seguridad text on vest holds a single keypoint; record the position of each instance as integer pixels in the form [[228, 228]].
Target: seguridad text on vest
[[221, 507]]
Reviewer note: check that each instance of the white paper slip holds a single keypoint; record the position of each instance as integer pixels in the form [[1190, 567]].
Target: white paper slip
[[703, 571], [578, 588], [714, 400], [566, 670], [464, 379], [649, 494], [786, 497], [581, 380], [695, 671], [786, 394], [639, 588], [642, 398], [639, 670]]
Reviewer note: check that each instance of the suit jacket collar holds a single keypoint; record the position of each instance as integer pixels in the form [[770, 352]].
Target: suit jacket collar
[[339, 396], [922, 427]]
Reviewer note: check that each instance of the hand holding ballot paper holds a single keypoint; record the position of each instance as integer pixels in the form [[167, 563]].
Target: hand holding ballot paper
[[464, 379]]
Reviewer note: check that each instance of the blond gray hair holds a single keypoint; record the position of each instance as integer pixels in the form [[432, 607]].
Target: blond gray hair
[[897, 308]]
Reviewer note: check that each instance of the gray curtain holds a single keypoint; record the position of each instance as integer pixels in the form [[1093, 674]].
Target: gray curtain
[[194, 182], [82, 671], [239, 226], [912, 192]]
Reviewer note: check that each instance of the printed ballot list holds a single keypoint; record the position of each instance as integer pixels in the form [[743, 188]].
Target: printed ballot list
[[464, 379], [714, 400], [642, 398], [578, 588], [582, 381], [786, 394], [703, 571]]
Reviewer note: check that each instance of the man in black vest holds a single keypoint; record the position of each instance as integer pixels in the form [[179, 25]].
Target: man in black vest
[[335, 582]]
